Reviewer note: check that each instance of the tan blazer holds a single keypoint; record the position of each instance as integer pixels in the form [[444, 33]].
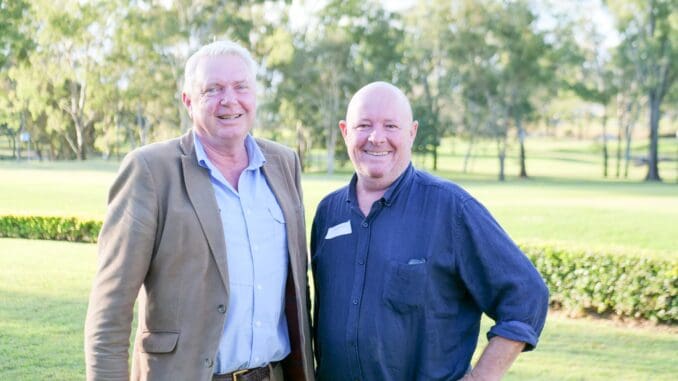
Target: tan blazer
[[162, 241]]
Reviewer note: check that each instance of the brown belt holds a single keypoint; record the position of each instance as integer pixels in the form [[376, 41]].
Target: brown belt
[[254, 374]]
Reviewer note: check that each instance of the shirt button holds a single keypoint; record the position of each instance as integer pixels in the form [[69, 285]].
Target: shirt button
[[361, 262], [259, 287], [221, 308], [355, 301], [257, 323], [364, 224], [208, 363]]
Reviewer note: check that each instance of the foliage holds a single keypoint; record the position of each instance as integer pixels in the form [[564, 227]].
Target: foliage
[[103, 77], [626, 286], [44, 287], [50, 228], [648, 52]]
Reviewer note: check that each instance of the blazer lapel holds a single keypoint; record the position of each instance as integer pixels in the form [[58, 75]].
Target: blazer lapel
[[201, 195], [282, 189]]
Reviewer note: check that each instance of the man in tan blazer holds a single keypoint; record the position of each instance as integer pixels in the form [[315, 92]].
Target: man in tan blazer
[[207, 232]]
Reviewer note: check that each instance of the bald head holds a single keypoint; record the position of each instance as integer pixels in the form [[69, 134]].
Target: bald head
[[388, 96], [379, 133]]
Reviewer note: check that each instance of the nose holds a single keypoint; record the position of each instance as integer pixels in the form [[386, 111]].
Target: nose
[[377, 135], [228, 96]]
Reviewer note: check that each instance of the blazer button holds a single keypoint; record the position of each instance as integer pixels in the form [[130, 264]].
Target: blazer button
[[221, 309], [208, 363]]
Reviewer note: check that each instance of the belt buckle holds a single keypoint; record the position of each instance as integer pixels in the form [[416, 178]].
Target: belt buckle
[[237, 373]]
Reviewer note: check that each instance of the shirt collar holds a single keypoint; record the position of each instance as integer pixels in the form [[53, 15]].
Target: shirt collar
[[392, 191], [255, 157]]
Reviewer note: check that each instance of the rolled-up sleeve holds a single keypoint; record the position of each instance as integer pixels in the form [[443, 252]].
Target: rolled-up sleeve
[[499, 276]]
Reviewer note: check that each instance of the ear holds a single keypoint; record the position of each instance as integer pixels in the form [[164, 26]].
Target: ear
[[186, 100], [343, 127], [413, 130]]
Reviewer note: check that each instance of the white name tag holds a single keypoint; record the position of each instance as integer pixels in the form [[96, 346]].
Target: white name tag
[[339, 230]]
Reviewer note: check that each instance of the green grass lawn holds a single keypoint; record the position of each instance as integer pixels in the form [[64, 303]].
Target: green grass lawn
[[44, 287], [584, 213]]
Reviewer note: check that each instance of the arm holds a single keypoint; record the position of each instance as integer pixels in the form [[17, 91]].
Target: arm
[[505, 286], [124, 250], [497, 358]]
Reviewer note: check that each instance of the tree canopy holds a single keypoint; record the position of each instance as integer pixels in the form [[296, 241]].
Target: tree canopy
[[103, 77]]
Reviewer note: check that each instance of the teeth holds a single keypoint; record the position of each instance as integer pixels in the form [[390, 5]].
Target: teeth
[[373, 153], [229, 116]]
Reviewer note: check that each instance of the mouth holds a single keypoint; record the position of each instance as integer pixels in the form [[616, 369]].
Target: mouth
[[377, 153], [229, 116]]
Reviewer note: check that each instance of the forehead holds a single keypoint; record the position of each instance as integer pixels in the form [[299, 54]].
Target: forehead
[[222, 68], [378, 104]]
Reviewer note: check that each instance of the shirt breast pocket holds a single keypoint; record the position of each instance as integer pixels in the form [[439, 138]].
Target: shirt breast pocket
[[405, 286]]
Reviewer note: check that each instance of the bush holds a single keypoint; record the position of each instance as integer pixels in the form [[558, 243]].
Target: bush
[[51, 228], [634, 287]]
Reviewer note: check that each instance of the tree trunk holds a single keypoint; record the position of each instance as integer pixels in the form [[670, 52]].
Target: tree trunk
[[80, 141], [435, 157], [521, 139], [633, 110], [605, 154], [331, 147], [17, 144], [302, 146], [653, 157], [620, 126], [501, 151], [467, 156], [143, 125], [12, 143]]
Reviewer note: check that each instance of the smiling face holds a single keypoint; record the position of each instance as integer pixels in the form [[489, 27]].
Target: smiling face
[[222, 99], [379, 133]]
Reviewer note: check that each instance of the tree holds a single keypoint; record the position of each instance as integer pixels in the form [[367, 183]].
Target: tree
[[431, 70], [594, 79], [346, 45], [649, 31], [526, 65]]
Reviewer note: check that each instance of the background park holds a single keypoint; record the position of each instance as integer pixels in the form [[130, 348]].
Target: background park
[[560, 116]]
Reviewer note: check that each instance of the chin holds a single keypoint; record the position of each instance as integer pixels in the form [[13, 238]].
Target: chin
[[374, 174]]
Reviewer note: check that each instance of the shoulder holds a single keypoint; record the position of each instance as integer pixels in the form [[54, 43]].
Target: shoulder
[[443, 188], [158, 152], [269, 147], [339, 195], [335, 203]]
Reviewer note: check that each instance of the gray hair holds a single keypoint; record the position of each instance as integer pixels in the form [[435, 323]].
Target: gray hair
[[217, 48]]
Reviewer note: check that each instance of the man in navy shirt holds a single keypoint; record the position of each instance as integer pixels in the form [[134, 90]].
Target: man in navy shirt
[[405, 263]]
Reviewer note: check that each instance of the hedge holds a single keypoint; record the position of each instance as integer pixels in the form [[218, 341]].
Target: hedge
[[579, 282], [51, 228], [626, 286]]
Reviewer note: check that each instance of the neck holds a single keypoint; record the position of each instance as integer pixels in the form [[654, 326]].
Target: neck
[[368, 191], [230, 159]]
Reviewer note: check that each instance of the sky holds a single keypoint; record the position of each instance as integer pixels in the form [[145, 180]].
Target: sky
[[589, 9]]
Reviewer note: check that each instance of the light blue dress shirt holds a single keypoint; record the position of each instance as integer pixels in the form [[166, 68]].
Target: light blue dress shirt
[[255, 332]]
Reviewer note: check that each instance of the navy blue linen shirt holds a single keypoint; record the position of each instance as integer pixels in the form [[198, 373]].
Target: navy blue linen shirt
[[400, 292]]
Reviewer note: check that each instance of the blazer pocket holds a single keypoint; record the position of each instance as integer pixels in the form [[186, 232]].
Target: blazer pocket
[[159, 342]]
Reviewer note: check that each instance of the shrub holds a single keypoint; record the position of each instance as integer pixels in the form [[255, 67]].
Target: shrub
[[51, 228], [626, 286], [633, 287]]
